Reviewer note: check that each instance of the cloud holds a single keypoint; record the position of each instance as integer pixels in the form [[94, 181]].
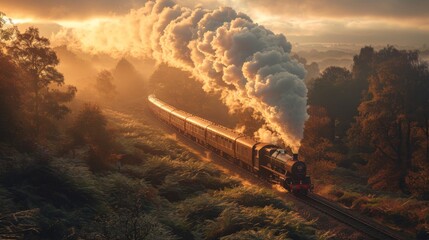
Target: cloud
[[354, 21], [411, 9], [354, 31], [67, 9], [246, 63]]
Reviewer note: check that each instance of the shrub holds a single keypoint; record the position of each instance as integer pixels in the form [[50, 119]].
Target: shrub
[[130, 226], [418, 182], [126, 193], [156, 169], [90, 129]]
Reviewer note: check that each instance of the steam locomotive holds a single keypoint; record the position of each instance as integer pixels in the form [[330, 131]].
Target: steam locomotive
[[266, 160]]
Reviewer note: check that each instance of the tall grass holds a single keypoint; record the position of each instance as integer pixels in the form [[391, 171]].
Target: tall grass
[[161, 192], [235, 219], [252, 197]]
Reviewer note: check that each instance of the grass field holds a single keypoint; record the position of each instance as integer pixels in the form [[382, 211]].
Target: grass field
[[159, 191]]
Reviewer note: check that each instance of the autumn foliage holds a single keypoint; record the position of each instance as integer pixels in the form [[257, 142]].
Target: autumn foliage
[[376, 117], [34, 93]]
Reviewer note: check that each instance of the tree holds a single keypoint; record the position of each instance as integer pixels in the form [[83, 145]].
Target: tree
[[317, 134], [5, 33], [388, 117], [33, 54], [104, 84], [129, 82], [335, 91], [10, 99], [90, 129], [363, 66]]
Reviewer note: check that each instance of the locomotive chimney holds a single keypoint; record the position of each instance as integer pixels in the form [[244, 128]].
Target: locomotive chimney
[[295, 157]]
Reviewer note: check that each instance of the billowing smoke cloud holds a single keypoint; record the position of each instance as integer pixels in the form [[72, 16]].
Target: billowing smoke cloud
[[247, 64]]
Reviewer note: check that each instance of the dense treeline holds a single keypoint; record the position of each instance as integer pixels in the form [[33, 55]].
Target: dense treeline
[[33, 91], [375, 118], [41, 199]]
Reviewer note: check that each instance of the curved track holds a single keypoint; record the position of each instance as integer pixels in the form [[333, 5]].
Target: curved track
[[362, 224]]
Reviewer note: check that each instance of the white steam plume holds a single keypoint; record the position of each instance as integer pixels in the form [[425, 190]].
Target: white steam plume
[[247, 64]]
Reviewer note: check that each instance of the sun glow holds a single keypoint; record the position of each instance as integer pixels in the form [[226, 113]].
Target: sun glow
[[85, 23], [22, 20]]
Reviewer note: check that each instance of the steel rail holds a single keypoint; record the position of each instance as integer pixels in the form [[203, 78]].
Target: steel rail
[[362, 224]]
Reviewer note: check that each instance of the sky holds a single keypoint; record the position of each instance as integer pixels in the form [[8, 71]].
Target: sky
[[243, 53], [360, 22]]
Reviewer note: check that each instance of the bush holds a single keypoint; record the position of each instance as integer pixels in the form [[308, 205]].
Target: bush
[[122, 192], [418, 182], [90, 129], [130, 226], [322, 169], [156, 169]]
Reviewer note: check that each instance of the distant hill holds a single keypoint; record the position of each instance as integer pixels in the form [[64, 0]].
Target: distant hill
[[340, 58]]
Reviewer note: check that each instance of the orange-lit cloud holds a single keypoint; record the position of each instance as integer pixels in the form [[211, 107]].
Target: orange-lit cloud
[[343, 8], [350, 21], [67, 9], [248, 65]]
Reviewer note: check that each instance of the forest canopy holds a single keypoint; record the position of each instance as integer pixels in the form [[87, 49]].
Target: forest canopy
[[376, 114]]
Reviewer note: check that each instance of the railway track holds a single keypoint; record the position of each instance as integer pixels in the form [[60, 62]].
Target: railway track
[[362, 224]]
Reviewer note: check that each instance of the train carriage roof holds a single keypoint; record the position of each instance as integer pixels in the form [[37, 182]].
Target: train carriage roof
[[223, 131], [167, 108], [180, 114], [199, 121], [155, 100], [247, 141], [161, 104]]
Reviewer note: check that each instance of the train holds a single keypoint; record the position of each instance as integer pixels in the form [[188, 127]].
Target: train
[[266, 160]]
